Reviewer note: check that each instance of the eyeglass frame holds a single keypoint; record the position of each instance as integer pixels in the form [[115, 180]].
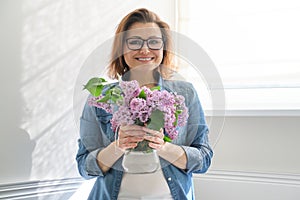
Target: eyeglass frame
[[162, 39]]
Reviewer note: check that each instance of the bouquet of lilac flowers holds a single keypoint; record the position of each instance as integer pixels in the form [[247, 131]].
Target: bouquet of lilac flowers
[[131, 104]]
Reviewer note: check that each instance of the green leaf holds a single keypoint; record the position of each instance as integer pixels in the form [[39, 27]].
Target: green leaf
[[138, 122], [104, 99], [167, 139], [179, 112], [96, 91], [116, 98], [176, 119], [108, 92], [157, 120], [116, 92], [155, 88], [95, 86], [142, 94]]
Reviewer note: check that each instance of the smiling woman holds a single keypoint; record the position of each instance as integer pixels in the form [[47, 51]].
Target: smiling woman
[[145, 27], [137, 52], [141, 52]]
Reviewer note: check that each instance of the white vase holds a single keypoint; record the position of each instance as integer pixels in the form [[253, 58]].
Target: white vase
[[140, 162]]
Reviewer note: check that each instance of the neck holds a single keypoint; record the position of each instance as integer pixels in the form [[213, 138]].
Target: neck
[[145, 77]]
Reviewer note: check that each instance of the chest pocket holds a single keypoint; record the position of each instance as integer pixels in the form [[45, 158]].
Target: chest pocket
[[105, 126]]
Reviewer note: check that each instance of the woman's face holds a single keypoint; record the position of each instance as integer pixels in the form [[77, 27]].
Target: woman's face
[[145, 57]]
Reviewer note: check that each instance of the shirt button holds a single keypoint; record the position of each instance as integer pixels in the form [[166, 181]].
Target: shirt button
[[169, 179]]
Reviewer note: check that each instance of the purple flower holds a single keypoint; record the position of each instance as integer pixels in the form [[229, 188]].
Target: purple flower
[[130, 89], [137, 104], [132, 108], [122, 116], [93, 102]]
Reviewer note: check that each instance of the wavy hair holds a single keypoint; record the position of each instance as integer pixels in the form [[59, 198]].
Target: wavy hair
[[118, 66]]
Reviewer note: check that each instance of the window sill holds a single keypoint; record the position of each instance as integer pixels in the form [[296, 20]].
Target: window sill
[[251, 113]]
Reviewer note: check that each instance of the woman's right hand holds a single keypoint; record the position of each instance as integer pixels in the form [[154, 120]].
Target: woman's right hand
[[129, 136]]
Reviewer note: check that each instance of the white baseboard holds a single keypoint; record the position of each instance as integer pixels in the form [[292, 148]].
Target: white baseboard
[[236, 185], [214, 185], [52, 189]]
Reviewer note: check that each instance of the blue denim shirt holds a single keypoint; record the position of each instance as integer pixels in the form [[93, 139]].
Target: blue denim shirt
[[96, 134]]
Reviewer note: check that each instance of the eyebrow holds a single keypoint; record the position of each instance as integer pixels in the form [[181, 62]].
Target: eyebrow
[[151, 37]]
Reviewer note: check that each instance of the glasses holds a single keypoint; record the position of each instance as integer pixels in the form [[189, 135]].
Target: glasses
[[138, 43]]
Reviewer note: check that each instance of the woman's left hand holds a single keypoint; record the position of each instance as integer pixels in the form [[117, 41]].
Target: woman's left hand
[[171, 152], [155, 138]]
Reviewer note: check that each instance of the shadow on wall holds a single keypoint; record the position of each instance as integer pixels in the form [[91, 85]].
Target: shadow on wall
[[15, 145], [16, 155]]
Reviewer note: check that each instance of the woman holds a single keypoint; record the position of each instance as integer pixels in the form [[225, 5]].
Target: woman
[[141, 49]]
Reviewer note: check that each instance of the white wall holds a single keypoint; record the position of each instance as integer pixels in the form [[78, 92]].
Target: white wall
[[259, 144], [255, 158], [43, 46]]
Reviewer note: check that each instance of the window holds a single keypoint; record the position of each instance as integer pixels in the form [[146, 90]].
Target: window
[[255, 46]]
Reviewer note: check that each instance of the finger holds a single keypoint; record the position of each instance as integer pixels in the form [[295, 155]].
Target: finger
[[132, 130], [124, 134], [154, 139], [130, 142], [127, 140], [131, 127], [155, 146], [159, 134]]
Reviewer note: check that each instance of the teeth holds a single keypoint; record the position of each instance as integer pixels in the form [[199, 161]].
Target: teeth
[[144, 59]]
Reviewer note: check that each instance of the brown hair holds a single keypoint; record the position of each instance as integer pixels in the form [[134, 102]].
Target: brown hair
[[118, 66]]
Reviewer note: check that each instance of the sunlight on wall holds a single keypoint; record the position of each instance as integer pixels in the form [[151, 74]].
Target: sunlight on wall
[[43, 47], [56, 38]]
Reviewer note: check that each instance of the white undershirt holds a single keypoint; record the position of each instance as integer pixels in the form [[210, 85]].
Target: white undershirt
[[144, 186]]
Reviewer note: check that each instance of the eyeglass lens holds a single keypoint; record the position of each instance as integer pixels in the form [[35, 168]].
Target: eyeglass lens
[[137, 43]]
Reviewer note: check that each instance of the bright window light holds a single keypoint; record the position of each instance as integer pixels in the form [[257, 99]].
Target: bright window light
[[255, 46]]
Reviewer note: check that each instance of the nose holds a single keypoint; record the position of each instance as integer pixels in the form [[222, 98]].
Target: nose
[[144, 48]]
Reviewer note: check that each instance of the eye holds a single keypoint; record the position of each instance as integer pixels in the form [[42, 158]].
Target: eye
[[135, 42], [153, 41]]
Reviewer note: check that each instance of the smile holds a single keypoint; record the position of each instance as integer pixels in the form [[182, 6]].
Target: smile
[[144, 59]]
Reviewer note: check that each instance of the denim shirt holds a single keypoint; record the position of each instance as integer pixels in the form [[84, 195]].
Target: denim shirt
[[96, 134]]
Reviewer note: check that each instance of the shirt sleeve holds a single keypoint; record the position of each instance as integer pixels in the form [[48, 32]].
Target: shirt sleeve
[[90, 143], [199, 153]]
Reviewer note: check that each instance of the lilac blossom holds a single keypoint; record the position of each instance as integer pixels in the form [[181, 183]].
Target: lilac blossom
[[122, 116], [130, 90], [134, 107], [93, 101]]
